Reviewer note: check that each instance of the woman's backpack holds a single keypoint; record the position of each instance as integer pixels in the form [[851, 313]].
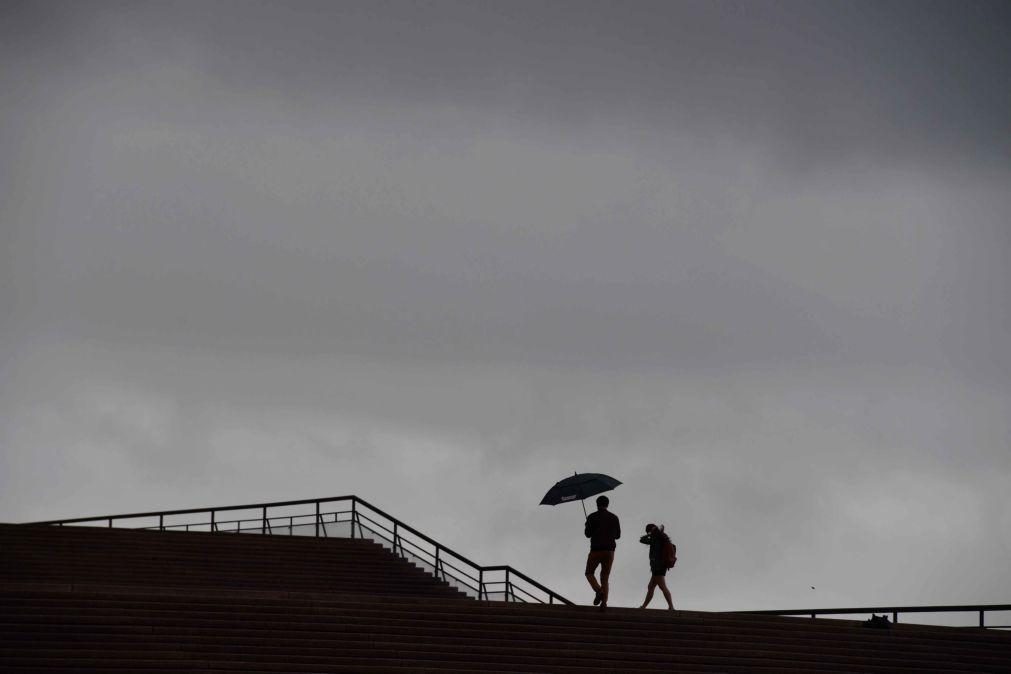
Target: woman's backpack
[[670, 554]]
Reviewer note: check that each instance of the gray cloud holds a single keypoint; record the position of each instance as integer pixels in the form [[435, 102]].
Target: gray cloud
[[751, 259], [899, 81]]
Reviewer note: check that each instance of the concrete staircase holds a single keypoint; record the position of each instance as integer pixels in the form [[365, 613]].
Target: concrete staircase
[[199, 560], [75, 599]]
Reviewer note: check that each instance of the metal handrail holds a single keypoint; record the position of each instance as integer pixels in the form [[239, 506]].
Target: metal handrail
[[191, 511], [439, 559], [223, 525], [397, 541], [981, 609]]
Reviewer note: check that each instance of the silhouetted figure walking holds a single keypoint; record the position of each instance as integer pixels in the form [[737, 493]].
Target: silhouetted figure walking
[[656, 539], [603, 529]]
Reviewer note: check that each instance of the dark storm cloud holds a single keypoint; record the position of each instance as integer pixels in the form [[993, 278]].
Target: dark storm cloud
[[822, 80], [490, 250], [549, 181]]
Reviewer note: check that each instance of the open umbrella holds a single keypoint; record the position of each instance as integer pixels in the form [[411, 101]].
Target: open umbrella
[[579, 486]]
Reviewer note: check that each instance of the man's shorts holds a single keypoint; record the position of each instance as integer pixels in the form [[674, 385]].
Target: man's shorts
[[602, 558], [657, 568]]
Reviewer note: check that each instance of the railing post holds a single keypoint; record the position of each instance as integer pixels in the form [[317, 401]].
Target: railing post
[[317, 519], [437, 548], [895, 617], [981, 621], [263, 524], [110, 522], [354, 515], [213, 526], [161, 523], [396, 537], [480, 584]]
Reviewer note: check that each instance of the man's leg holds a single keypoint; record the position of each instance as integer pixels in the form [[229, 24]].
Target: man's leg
[[591, 567], [605, 573]]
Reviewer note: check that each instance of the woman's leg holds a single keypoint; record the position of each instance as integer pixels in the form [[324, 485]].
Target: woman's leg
[[666, 593], [649, 592]]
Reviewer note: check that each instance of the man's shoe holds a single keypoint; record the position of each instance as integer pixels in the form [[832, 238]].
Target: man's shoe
[[597, 598]]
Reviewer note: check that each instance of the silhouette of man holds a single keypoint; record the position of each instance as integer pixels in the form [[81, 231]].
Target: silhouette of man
[[603, 529]]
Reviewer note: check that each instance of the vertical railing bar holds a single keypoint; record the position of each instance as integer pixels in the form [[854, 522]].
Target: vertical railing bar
[[213, 527], [161, 523], [110, 522], [263, 524], [317, 519], [981, 621], [480, 583], [354, 515], [895, 617]]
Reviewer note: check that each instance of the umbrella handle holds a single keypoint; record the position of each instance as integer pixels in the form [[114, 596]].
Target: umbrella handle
[[582, 501]]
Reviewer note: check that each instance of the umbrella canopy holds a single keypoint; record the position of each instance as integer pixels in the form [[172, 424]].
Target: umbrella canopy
[[578, 487]]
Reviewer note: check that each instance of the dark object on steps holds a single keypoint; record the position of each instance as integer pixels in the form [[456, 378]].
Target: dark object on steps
[[879, 622]]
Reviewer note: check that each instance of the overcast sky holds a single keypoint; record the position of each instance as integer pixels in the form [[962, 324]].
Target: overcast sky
[[750, 258]]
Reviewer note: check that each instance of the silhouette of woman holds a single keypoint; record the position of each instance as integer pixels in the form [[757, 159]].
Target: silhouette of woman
[[655, 539]]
